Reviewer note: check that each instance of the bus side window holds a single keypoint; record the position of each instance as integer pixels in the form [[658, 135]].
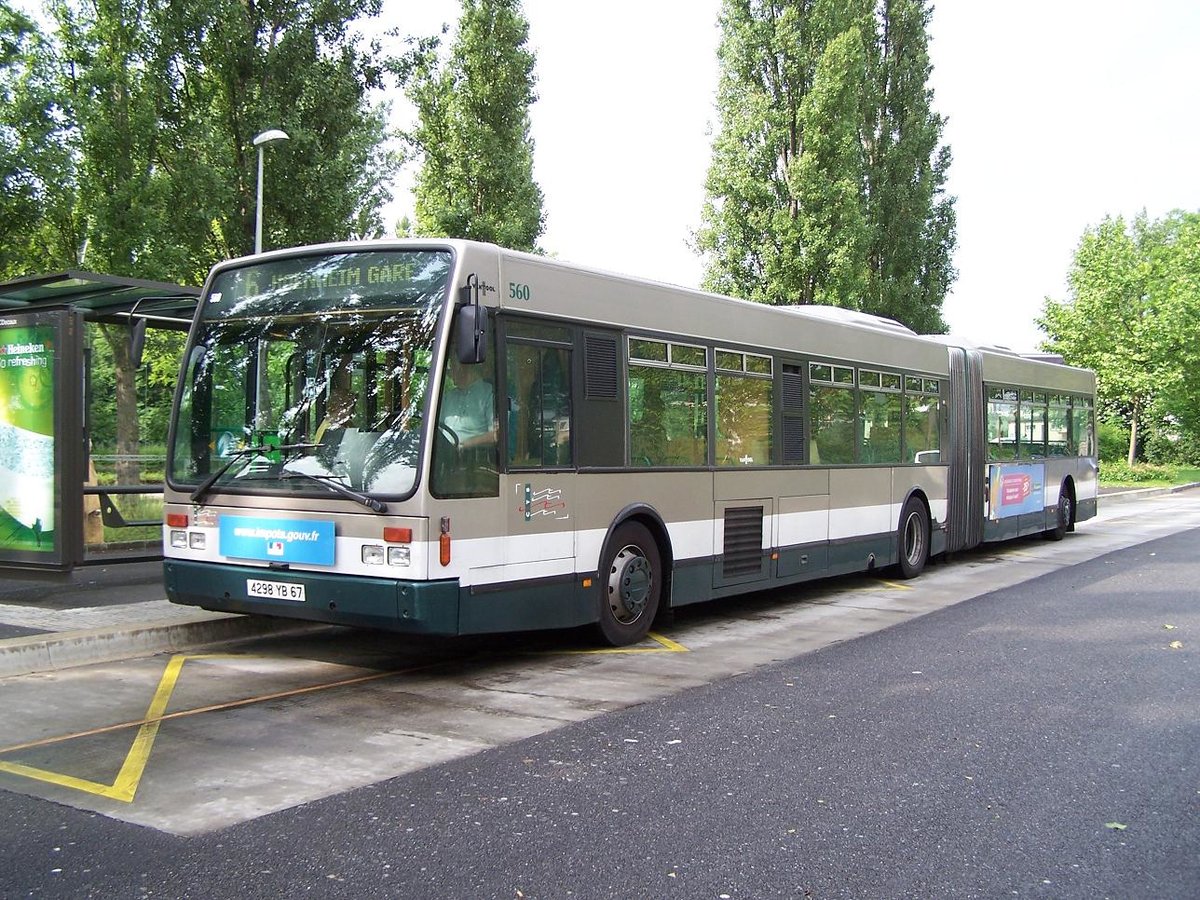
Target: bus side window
[[832, 424], [464, 441], [539, 406], [1002, 423]]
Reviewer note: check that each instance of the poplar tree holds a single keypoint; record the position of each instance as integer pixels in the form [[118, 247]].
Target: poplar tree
[[826, 179], [912, 219], [472, 136]]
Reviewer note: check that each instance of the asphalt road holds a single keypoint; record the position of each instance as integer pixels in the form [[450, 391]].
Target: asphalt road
[[1037, 741]]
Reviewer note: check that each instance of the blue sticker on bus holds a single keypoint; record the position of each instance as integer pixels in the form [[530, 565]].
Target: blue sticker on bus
[[278, 540], [1017, 489]]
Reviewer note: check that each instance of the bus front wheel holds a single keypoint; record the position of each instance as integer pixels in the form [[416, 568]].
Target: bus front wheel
[[630, 585], [913, 538]]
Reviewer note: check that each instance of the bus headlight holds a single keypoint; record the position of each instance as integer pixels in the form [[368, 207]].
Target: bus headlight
[[196, 540], [372, 554], [179, 540], [399, 556]]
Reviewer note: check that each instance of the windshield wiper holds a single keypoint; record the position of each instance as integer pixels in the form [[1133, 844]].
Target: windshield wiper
[[338, 488], [236, 456]]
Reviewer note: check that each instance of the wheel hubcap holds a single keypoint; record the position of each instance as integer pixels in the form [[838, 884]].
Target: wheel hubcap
[[914, 539], [629, 585]]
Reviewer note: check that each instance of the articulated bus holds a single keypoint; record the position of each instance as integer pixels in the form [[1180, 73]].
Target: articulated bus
[[447, 437]]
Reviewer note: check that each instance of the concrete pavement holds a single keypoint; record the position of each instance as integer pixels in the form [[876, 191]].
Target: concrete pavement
[[104, 613], [119, 610]]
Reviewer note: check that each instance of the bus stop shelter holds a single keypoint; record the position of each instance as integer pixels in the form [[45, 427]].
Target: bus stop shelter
[[58, 510]]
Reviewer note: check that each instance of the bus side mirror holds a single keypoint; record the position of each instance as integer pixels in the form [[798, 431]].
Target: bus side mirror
[[471, 335], [137, 343], [470, 338]]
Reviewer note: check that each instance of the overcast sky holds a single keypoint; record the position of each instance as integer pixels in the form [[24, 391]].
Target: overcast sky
[[1059, 112]]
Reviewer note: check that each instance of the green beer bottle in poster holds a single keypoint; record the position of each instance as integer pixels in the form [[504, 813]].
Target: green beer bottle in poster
[[27, 435]]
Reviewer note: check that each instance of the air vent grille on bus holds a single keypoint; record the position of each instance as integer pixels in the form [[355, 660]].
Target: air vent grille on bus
[[793, 413], [793, 439], [742, 554], [600, 367], [793, 388]]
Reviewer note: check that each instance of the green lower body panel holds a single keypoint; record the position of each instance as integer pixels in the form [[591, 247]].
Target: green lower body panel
[[418, 607], [529, 606], [1086, 510]]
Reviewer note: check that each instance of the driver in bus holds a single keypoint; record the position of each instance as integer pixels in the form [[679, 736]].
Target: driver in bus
[[469, 407]]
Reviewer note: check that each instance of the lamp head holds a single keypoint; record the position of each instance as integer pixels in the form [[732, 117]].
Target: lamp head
[[267, 136]]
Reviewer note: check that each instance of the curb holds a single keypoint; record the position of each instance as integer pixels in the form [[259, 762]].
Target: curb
[[1118, 497], [44, 653]]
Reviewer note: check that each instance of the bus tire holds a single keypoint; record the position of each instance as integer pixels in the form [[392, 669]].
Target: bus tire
[[913, 538], [1062, 516], [631, 584]]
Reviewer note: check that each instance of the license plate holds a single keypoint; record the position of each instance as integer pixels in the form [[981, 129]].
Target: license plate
[[275, 590]]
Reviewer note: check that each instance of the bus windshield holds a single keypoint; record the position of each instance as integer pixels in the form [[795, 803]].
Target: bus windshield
[[309, 373]]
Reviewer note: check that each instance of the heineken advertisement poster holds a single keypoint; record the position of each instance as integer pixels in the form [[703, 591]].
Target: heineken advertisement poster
[[27, 482]]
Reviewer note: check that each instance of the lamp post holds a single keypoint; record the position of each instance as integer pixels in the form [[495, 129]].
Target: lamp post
[[265, 138], [261, 404]]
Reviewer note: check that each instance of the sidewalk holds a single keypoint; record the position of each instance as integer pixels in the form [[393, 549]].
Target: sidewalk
[[119, 610], [103, 613]]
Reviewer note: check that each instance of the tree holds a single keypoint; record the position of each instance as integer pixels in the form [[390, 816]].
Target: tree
[[472, 136], [1131, 316], [130, 131], [167, 98], [826, 175], [912, 220], [36, 190]]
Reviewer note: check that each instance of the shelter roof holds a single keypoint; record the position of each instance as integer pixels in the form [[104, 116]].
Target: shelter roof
[[102, 297]]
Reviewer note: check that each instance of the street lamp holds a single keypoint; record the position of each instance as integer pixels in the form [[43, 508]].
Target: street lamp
[[261, 388], [265, 138]]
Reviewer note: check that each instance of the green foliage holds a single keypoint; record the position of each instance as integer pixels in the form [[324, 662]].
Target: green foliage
[[1172, 446], [1113, 440], [1120, 472], [1134, 301], [472, 136], [129, 131], [36, 190], [826, 179], [167, 99]]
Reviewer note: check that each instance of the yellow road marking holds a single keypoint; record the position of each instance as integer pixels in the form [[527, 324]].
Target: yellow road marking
[[126, 783], [216, 707], [130, 775], [665, 645], [874, 586]]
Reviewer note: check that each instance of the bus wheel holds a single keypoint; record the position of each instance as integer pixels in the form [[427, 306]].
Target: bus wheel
[[1062, 518], [914, 538], [630, 584]]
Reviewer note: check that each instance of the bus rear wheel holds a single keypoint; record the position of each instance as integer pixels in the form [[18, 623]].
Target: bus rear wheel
[[913, 538], [1062, 518], [630, 585]]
